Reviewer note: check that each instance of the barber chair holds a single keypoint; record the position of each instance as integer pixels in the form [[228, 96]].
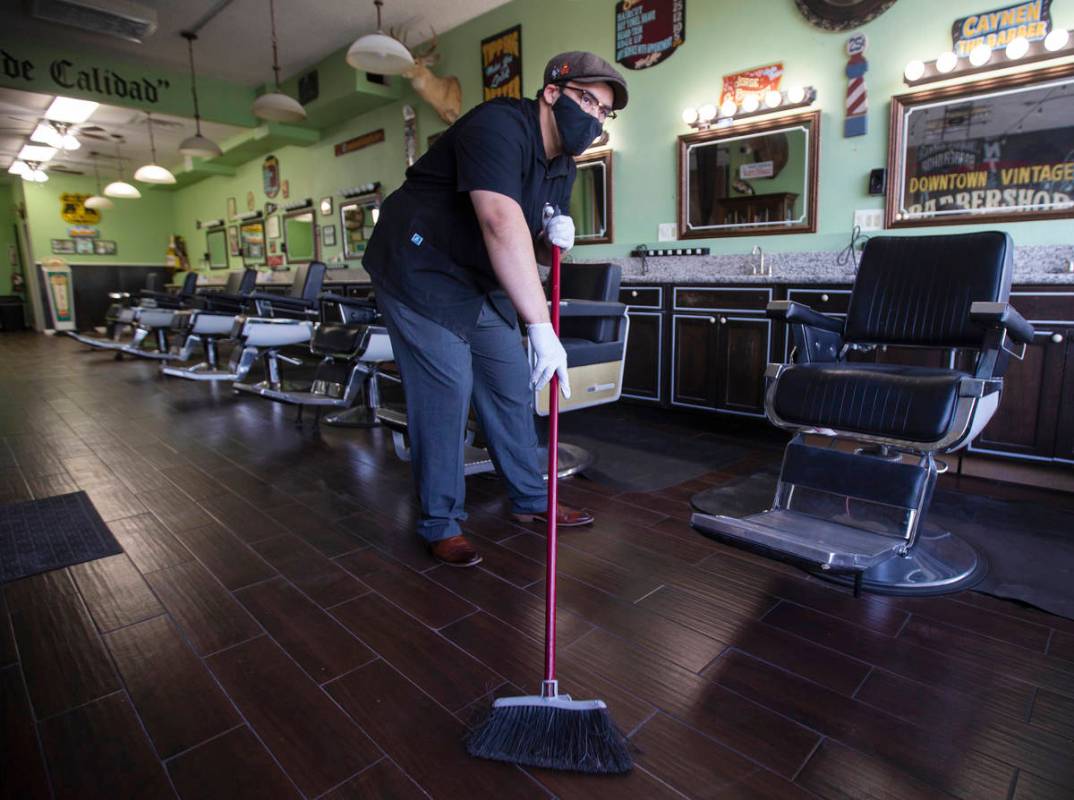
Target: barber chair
[[352, 346], [211, 320], [856, 512]]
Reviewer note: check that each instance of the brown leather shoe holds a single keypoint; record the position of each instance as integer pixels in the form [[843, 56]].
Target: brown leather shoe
[[455, 552], [566, 517]]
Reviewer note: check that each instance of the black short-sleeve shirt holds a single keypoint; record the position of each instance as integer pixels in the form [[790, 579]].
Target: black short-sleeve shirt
[[427, 248]]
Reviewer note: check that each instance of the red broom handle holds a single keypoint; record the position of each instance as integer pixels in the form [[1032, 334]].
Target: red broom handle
[[553, 491]]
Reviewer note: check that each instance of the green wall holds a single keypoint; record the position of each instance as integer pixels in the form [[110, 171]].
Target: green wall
[[7, 235]]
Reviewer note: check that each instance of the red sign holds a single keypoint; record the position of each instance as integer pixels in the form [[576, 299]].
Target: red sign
[[648, 31], [751, 81]]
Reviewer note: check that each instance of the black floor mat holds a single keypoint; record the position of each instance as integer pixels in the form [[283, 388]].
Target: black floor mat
[[42, 535], [1029, 548]]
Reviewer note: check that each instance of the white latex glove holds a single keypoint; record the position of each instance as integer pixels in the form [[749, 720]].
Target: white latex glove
[[549, 356], [559, 230]]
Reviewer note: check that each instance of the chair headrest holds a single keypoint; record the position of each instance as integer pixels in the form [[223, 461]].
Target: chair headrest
[[308, 280], [590, 282], [190, 285]]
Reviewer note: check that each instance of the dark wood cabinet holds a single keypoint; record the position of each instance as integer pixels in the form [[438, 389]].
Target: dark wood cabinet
[[743, 347], [694, 360], [644, 355], [1064, 435]]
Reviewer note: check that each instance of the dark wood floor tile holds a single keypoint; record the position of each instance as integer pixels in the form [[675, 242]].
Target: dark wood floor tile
[[385, 704], [244, 520], [315, 529], [319, 577], [382, 781], [251, 488], [1062, 646], [62, 656], [21, 764], [327, 503], [491, 527], [317, 744], [42, 486], [319, 644], [428, 601], [995, 626], [175, 510], [639, 782], [1053, 712], [88, 471], [397, 539], [175, 696], [836, 772], [115, 592], [13, 488], [8, 654], [209, 616], [115, 501], [506, 563], [930, 756], [1032, 787], [1008, 608], [234, 564], [148, 543], [100, 751], [575, 494], [605, 535], [234, 766], [192, 481], [441, 669]]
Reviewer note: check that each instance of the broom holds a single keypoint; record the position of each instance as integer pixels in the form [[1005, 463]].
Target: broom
[[551, 729]]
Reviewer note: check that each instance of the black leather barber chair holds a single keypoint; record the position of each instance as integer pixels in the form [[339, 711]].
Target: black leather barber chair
[[858, 476], [211, 320]]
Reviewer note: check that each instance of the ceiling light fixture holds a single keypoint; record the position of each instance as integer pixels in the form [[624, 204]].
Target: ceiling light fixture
[[945, 62], [71, 111], [152, 172], [33, 173], [1056, 40], [276, 106], [980, 55], [18, 168], [196, 145], [379, 53], [55, 134], [98, 201], [119, 187], [36, 152]]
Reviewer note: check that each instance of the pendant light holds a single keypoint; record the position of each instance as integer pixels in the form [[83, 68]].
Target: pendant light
[[196, 145], [119, 187], [379, 53], [33, 173], [98, 201], [276, 106], [152, 172]]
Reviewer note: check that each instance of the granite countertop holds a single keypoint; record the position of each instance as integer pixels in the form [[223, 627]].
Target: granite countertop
[[350, 275]]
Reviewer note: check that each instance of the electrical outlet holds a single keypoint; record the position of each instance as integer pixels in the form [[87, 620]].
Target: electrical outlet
[[869, 219], [666, 232]]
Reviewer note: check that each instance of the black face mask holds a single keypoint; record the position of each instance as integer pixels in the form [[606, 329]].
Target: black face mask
[[577, 130]]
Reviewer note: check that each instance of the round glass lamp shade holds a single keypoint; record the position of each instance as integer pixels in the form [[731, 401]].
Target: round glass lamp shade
[[198, 145], [278, 107], [122, 189], [380, 54], [98, 203], [153, 173]]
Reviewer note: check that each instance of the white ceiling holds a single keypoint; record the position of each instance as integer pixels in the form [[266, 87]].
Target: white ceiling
[[236, 45]]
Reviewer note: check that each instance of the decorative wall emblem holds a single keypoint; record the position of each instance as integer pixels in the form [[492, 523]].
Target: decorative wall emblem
[[648, 31], [857, 104], [270, 176]]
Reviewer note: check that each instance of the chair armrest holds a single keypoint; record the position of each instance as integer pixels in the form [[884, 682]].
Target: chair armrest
[[157, 295], [591, 308], [799, 314], [1003, 315], [282, 300]]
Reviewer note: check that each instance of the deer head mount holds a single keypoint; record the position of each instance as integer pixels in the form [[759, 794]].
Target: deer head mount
[[443, 94]]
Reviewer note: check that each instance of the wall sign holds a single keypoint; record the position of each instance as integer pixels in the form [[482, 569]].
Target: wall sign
[[104, 247], [66, 74], [501, 64], [359, 142], [751, 81], [74, 211], [996, 28], [857, 103], [62, 246], [757, 169], [270, 176], [57, 278], [83, 232], [648, 31]]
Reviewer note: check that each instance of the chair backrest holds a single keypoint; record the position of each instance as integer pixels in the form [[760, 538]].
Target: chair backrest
[[241, 282], [190, 285], [917, 290], [308, 280], [590, 282], [152, 282]]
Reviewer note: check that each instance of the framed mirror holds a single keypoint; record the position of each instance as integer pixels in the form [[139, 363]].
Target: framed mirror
[[750, 178], [300, 236], [998, 150], [357, 216], [216, 247], [252, 238], [591, 198]]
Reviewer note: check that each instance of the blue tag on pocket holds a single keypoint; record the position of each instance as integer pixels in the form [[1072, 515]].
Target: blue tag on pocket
[[417, 239]]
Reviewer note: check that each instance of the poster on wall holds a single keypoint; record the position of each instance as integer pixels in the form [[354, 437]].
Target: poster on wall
[[272, 227], [751, 81], [74, 211], [998, 27], [84, 247], [501, 64], [232, 208], [270, 176], [648, 32], [63, 246], [328, 235], [104, 247], [233, 240], [359, 142]]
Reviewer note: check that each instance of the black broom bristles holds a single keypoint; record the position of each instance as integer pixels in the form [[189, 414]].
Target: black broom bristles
[[542, 735]]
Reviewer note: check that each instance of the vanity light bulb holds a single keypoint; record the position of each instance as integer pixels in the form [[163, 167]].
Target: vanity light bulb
[[1017, 48], [945, 62], [750, 103], [772, 98], [1056, 40], [796, 94], [728, 108], [689, 115], [707, 112], [980, 55], [914, 70]]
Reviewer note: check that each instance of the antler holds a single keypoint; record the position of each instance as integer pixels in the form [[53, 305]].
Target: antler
[[430, 46], [398, 34]]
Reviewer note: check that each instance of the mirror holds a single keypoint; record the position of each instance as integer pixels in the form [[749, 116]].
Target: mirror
[[591, 198], [216, 247], [997, 150], [252, 236], [750, 178], [357, 218], [299, 237]]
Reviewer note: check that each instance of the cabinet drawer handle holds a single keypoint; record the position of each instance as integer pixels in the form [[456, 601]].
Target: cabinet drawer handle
[[712, 320], [634, 293], [1057, 337], [824, 298], [723, 320]]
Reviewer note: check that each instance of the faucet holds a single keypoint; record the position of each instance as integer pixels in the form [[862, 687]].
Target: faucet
[[758, 269]]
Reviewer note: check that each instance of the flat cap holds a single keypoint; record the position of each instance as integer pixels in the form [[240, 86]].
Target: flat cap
[[582, 67]]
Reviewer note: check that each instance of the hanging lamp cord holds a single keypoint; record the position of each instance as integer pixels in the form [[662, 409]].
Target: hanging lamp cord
[[275, 60], [152, 144], [190, 37]]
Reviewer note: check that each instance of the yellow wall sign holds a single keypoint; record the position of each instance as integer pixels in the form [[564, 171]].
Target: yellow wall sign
[[74, 211]]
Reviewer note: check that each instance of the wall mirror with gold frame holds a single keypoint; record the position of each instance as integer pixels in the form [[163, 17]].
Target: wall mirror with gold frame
[[252, 238], [357, 216], [591, 198], [750, 178], [216, 247], [300, 236]]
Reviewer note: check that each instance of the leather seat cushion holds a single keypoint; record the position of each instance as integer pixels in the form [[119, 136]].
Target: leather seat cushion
[[582, 352], [345, 341], [902, 402]]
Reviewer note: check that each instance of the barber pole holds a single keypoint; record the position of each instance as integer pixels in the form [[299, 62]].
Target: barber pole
[[857, 105]]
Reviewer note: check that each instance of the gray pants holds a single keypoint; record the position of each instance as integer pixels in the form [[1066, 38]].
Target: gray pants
[[442, 373]]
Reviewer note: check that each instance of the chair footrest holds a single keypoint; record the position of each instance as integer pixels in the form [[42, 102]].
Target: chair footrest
[[392, 418], [829, 545]]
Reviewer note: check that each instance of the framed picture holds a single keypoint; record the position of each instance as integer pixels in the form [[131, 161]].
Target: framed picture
[[250, 201], [272, 227], [270, 208], [63, 246], [232, 208], [84, 246], [501, 64], [328, 235], [326, 206], [104, 247], [233, 240]]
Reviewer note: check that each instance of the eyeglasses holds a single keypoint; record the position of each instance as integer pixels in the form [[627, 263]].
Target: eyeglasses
[[591, 105]]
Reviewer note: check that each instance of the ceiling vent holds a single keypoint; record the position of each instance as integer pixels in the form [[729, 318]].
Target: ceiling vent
[[118, 18]]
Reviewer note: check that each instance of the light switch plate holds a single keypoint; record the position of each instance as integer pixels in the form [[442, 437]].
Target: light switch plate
[[666, 232], [869, 219]]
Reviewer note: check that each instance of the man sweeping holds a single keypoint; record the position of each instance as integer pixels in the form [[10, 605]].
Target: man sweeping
[[453, 260]]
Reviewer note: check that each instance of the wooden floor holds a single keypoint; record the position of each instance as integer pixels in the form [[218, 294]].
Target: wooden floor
[[274, 629]]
